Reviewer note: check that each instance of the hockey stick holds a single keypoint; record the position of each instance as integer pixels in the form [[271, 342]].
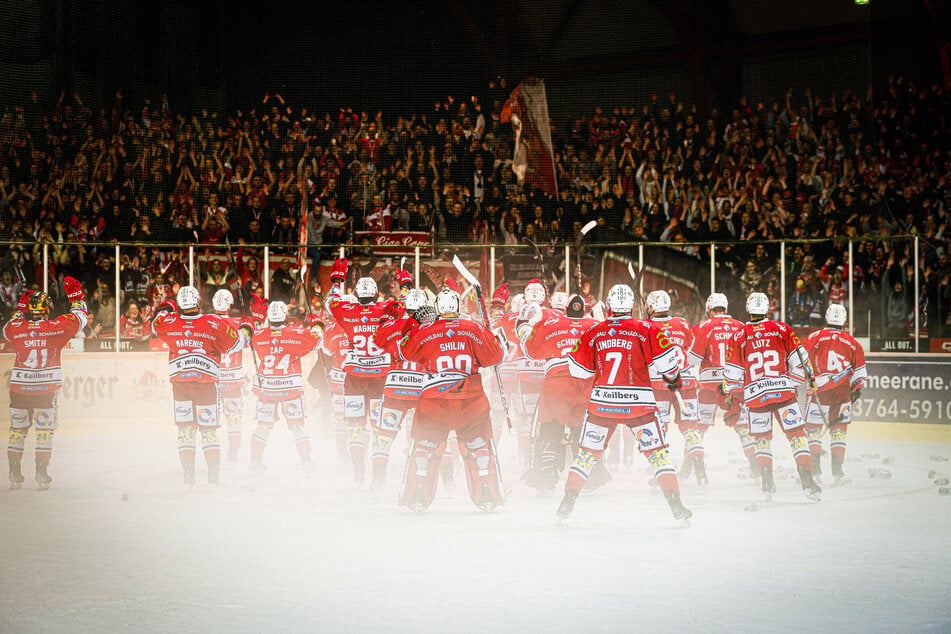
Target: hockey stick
[[541, 261], [636, 276], [456, 262], [581, 234], [807, 368], [244, 307]]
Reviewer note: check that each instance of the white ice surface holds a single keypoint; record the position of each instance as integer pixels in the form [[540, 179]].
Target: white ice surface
[[317, 554]]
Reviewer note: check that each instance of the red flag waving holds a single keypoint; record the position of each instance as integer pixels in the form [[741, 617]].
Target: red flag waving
[[534, 156]]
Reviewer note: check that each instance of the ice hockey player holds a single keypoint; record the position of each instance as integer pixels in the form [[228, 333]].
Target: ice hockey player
[[839, 364], [231, 371], [37, 343], [196, 343], [617, 354], [279, 384], [403, 382], [709, 353], [764, 367], [683, 399], [366, 363], [564, 398], [453, 350], [336, 345]]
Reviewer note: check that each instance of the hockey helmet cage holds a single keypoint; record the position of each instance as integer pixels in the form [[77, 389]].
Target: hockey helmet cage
[[576, 306], [717, 300], [414, 299], [534, 292], [447, 303], [657, 302], [621, 299], [39, 305], [425, 314], [276, 312], [559, 300], [517, 302], [366, 289], [757, 304], [222, 300], [188, 298], [836, 315]]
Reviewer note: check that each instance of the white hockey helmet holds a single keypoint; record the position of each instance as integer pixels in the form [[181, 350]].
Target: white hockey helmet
[[657, 302], [559, 300], [717, 300], [447, 303], [276, 312], [757, 304], [414, 299], [366, 288], [222, 300], [517, 302], [188, 298], [836, 315], [534, 293], [621, 299]]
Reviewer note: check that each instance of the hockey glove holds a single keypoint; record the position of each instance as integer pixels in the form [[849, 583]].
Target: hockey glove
[[258, 309], [500, 296], [338, 274], [248, 329], [404, 279], [674, 383], [502, 340], [452, 285], [73, 289], [168, 306], [393, 310], [24, 300], [856, 394]]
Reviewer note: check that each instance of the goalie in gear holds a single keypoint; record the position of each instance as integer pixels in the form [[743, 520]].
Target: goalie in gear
[[36, 376], [451, 399], [839, 364]]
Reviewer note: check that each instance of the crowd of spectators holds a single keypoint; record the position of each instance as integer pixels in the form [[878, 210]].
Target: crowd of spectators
[[873, 167]]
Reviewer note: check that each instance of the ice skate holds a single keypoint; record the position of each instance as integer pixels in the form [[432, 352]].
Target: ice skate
[[16, 476], [418, 503], [754, 470], [542, 479], [681, 513], [487, 502], [448, 481], [700, 470], [838, 475], [43, 479], [256, 468], [566, 506], [188, 470], [379, 477], [686, 470], [214, 475], [809, 486], [816, 470], [768, 484]]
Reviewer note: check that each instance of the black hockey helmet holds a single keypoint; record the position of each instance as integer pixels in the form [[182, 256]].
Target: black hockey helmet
[[575, 306]]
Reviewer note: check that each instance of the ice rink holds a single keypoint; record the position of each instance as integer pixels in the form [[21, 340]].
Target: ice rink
[[304, 555]]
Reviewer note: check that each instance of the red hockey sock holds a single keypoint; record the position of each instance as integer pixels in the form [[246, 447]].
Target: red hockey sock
[[668, 482]]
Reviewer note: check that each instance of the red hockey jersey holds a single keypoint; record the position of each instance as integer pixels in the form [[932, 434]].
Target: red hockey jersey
[[195, 345], [764, 361], [231, 368], [403, 381], [837, 360], [677, 331], [279, 351], [451, 351], [617, 353], [37, 346], [365, 358], [710, 349], [336, 345], [551, 340]]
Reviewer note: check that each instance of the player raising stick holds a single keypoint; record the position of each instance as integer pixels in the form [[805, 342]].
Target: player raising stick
[[764, 367], [37, 343], [839, 362], [617, 354]]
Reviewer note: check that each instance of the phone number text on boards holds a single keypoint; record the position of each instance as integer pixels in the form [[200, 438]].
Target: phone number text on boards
[[896, 409]]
